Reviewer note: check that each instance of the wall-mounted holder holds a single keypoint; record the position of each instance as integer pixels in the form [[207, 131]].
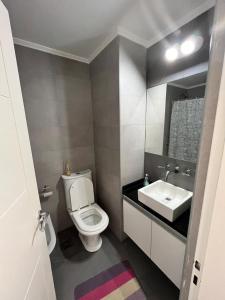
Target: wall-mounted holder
[[46, 192]]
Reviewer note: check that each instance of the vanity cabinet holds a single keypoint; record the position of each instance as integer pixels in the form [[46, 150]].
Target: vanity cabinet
[[162, 247], [137, 226], [167, 252]]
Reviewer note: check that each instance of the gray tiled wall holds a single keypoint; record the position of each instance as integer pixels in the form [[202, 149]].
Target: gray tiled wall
[[57, 98], [197, 92], [105, 98], [152, 161], [118, 76], [132, 84]]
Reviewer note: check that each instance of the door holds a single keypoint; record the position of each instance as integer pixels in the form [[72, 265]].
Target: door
[[205, 176], [210, 247], [167, 252], [25, 271], [212, 275], [137, 226]]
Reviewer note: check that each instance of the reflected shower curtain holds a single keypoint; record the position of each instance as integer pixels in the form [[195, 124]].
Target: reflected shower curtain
[[185, 129]]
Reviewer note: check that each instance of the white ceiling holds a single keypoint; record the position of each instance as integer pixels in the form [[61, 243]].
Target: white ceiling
[[80, 29]]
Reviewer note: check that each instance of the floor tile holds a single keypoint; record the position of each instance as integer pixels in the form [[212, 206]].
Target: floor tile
[[72, 265]]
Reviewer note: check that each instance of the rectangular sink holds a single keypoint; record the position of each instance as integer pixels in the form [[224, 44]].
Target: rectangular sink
[[166, 199]]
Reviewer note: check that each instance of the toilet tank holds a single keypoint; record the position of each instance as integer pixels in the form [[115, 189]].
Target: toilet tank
[[69, 180]]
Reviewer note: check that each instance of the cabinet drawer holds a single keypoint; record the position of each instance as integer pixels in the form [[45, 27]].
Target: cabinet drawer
[[137, 226], [167, 252]]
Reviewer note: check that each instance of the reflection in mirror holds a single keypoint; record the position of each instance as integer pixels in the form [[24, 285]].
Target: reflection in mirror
[[174, 117]]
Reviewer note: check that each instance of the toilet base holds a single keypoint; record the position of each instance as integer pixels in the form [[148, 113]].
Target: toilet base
[[91, 243]]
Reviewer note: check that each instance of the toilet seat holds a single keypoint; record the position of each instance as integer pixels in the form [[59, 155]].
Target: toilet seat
[[90, 220]]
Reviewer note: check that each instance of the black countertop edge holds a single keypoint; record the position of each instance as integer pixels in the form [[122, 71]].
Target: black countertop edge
[[180, 225]]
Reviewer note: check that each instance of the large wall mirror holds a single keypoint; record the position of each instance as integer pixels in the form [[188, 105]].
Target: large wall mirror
[[177, 68], [174, 116]]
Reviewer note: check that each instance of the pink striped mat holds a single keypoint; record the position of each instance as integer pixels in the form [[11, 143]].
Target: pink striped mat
[[116, 283]]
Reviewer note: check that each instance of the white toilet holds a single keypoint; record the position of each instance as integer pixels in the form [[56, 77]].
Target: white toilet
[[88, 217]]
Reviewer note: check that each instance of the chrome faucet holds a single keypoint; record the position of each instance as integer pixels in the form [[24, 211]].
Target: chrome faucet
[[168, 171]]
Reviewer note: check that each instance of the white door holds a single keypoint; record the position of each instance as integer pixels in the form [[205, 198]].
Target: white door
[[209, 276], [210, 250], [211, 239], [25, 271], [213, 271]]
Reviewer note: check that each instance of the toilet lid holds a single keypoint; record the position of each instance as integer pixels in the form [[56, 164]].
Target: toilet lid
[[81, 193]]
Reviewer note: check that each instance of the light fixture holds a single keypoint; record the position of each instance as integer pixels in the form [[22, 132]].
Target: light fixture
[[188, 46], [171, 54], [179, 50]]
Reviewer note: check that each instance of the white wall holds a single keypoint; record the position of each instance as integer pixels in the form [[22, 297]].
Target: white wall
[[132, 84], [155, 119]]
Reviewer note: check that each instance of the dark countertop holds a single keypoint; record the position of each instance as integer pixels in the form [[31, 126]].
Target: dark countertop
[[180, 224]]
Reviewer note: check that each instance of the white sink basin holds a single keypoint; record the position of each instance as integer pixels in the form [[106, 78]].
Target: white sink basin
[[166, 199]]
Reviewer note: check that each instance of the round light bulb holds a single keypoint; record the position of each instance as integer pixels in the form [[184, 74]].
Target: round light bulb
[[171, 54], [187, 47]]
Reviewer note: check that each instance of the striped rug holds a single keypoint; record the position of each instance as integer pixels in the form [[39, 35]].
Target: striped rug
[[117, 283]]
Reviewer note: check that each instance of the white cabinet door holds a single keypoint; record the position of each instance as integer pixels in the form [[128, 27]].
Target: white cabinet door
[[137, 226], [167, 252]]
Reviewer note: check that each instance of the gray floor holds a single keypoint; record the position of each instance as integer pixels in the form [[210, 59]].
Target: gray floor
[[73, 265]]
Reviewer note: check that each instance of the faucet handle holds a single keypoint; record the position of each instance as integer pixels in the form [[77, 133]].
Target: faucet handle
[[161, 167], [176, 169], [166, 167], [187, 172]]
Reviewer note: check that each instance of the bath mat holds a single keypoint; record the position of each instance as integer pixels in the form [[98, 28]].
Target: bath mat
[[116, 283]]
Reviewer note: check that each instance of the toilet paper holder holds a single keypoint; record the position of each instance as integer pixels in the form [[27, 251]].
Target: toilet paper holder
[[45, 192]]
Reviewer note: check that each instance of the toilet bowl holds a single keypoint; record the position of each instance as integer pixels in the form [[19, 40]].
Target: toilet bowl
[[90, 222], [88, 217]]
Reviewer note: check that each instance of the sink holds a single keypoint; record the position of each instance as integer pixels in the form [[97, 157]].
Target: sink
[[166, 199]]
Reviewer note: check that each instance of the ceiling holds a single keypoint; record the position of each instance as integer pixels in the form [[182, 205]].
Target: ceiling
[[191, 81], [80, 29]]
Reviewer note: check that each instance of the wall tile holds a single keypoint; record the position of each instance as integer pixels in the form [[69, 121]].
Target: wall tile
[[105, 97], [107, 137], [108, 160], [132, 68], [106, 114], [132, 109], [57, 99], [134, 137], [152, 161], [110, 198], [56, 204]]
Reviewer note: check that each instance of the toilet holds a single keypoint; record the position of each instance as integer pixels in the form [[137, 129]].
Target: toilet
[[88, 217]]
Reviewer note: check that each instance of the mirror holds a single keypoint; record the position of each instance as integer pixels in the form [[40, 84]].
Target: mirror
[[174, 114]]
